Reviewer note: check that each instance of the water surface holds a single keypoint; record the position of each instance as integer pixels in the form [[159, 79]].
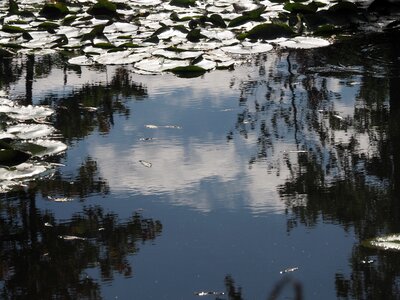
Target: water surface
[[216, 183]]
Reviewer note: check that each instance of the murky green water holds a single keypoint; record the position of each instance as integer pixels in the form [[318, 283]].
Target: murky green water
[[217, 184]]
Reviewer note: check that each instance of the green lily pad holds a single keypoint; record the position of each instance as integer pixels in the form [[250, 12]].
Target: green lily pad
[[12, 29], [12, 157], [48, 26], [268, 31], [194, 35], [54, 11], [344, 7], [183, 3], [103, 8], [188, 71], [300, 8], [217, 20], [247, 16]]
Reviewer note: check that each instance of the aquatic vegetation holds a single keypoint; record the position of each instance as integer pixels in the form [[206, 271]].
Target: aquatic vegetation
[[25, 140], [138, 32]]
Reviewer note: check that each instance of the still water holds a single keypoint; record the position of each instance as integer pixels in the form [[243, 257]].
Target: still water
[[233, 182]]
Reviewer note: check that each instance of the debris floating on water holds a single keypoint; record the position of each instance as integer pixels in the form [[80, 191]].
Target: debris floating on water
[[71, 238], [152, 126], [367, 261], [146, 163], [59, 199], [210, 293], [289, 270]]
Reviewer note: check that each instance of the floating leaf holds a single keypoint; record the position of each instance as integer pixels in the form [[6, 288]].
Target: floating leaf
[[12, 157], [103, 8], [183, 3], [302, 42], [146, 163], [269, 31], [300, 8], [13, 29], [21, 171], [188, 71], [53, 11], [30, 131]]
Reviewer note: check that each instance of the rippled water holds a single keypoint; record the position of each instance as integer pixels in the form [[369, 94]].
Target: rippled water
[[220, 183]]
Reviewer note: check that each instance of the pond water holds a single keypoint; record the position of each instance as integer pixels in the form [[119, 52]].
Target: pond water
[[235, 182]]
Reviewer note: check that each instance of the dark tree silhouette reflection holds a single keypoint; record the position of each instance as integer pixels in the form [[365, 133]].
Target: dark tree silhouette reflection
[[343, 168], [44, 258]]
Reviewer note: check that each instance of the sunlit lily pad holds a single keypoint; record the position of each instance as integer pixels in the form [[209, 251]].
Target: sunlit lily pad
[[248, 48], [42, 147], [21, 171], [302, 42], [82, 60], [26, 112], [158, 65], [30, 131]]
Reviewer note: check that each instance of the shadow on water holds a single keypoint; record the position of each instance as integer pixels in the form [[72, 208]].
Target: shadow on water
[[343, 168]]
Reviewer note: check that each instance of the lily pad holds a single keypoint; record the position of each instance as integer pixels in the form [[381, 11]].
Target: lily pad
[[183, 3], [12, 157], [54, 11], [103, 8], [302, 42], [268, 31], [188, 71]]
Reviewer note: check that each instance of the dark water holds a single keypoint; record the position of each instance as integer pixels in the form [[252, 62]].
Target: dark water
[[288, 162]]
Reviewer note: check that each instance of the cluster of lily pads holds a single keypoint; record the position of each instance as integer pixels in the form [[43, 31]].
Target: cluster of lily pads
[[170, 35], [26, 139]]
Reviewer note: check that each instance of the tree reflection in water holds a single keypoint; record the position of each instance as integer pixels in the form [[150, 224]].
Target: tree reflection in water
[[344, 168], [45, 258]]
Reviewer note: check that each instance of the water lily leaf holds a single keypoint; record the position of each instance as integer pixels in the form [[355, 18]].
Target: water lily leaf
[[158, 65], [344, 7], [302, 42], [23, 170], [30, 131], [25, 112], [248, 48], [12, 157], [327, 30], [300, 8], [103, 8], [183, 3], [40, 147], [268, 31], [194, 35], [48, 26], [217, 20], [188, 71], [54, 11], [13, 29], [387, 242]]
